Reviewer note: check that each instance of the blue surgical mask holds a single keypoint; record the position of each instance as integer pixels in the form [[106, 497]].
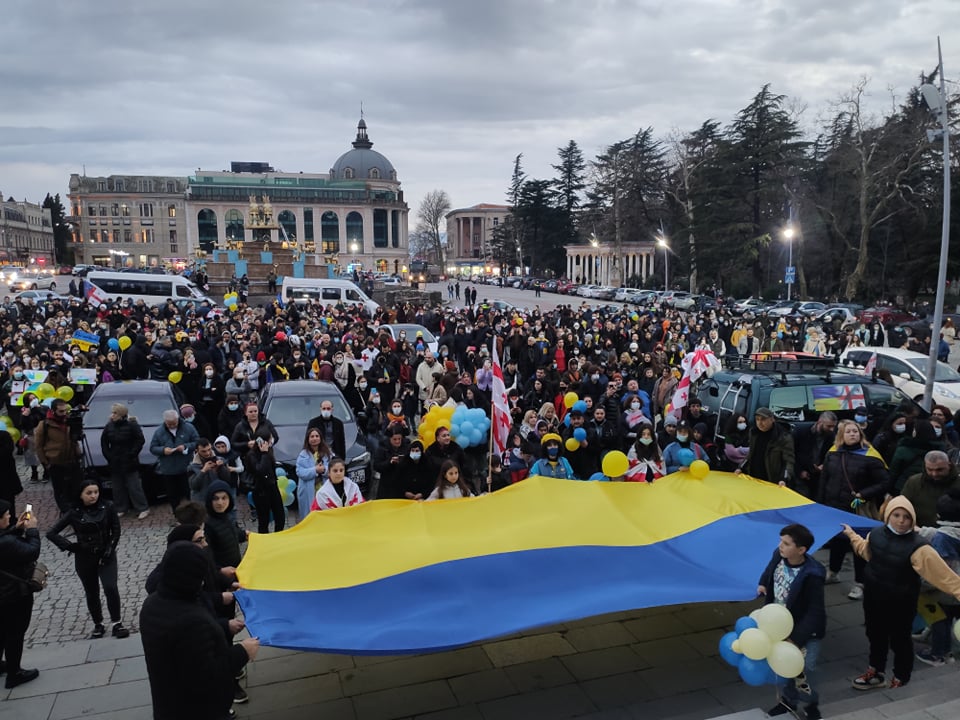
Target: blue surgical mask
[[414, 456], [860, 419], [553, 451], [682, 438], [741, 426], [938, 431], [645, 440]]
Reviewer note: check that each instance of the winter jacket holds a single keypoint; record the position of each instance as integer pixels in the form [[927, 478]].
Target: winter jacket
[[671, 454], [923, 492], [804, 599], [200, 481], [121, 443], [53, 443], [175, 463], [19, 549], [848, 472], [223, 534], [95, 527], [779, 457], [908, 458]]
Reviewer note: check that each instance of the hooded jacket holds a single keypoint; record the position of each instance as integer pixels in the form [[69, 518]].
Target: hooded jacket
[[900, 554], [804, 600], [221, 530]]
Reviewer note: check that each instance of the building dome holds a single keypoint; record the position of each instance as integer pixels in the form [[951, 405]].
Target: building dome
[[362, 163]]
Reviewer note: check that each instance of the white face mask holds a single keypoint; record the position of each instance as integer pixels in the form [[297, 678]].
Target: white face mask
[[741, 426], [899, 429], [233, 407], [208, 373], [414, 456], [325, 414], [938, 431], [682, 438], [634, 406], [646, 440], [396, 409]]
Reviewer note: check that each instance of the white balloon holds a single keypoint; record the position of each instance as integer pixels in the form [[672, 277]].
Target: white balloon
[[786, 659], [776, 621], [956, 631], [754, 643]]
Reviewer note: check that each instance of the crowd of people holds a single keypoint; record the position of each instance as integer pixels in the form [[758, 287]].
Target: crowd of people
[[217, 449]]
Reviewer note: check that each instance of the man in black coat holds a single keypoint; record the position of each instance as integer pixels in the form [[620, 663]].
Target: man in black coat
[[331, 428], [444, 449], [19, 549], [190, 662], [121, 443]]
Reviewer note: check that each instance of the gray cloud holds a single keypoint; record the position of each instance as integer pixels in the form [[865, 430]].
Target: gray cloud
[[453, 89]]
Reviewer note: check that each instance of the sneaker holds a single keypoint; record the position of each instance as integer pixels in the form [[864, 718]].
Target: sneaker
[[240, 695], [856, 592], [144, 515], [121, 514], [922, 635], [870, 680], [19, 678], [832, 578], [782, 708], [813, 712], [243, 673], [98, 631], [925, 656], [119, 631], [896, 682]]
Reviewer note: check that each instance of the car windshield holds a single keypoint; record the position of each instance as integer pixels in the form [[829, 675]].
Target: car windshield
[[411, 331], [298, 410], [945, 373], [148, 410]]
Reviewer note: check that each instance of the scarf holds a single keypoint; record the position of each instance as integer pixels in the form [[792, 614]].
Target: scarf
[[342, 373]]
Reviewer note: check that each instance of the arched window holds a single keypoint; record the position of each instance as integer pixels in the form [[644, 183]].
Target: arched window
[[329, 233], [171, 211], [393, 175], [288, 221], [374, 173], [207, 229], [355, 232], [348, 173], [234, 225], [379, 228]]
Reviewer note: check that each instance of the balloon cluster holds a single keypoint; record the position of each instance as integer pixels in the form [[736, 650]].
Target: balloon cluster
[[6, 425], [286, 486], [572, 403], [230, 300], [469, 426], [758, 647], [121, 343]]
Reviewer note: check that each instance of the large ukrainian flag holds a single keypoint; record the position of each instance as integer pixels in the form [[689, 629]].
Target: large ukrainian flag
[[398, 576]]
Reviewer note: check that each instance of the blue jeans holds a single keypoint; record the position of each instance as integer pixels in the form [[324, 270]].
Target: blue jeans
[[803, 688]]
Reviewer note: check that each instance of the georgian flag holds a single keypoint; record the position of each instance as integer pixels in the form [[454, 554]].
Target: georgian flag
[[695, 365], [870, 366], [500, 425]]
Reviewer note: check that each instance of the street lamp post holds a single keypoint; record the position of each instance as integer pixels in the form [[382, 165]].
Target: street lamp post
[[936, 100], [662, 242], [594, 243], [788, 236]]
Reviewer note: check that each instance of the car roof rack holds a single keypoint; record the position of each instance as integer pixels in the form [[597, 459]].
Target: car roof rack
[[783, 362]]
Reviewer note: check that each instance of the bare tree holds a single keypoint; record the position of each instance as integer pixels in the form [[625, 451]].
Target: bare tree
[[433, 209]]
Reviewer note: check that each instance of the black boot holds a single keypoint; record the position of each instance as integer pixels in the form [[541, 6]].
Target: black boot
[[34, 474]]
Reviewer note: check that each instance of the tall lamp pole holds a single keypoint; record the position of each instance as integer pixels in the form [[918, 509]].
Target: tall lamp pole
[[936, 100], [662, 242], [788, 236]]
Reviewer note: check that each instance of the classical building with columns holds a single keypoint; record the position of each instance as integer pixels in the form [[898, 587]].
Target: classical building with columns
[[470, 236], [355, 214], [591, 264]]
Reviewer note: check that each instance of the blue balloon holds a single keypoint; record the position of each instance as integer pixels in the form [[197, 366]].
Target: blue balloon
[[726, 649], [466, 427], [685, 457], [460, 414], [455, 428], [566, 420], [579, 434], [476, 437], [461, 440], [113, 344], [744, 623], [754, 672], [291, 486], [580, 406], [598, 476]]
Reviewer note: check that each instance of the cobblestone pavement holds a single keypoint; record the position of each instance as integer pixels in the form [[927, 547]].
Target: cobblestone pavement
[[60, 612]]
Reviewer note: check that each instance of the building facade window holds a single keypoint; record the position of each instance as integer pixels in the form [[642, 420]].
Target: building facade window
[[146, 209], [288, 223], [128, 236], [146, 235], [496, 221], [174, 248], [103, 211], [115, 209], [379, 228], [171, 211], [94, 237], [101, 185], [171, 186], [125, 210], [207, 229], [395, 227], [308, 225], [374, 173], [234, 225], [330, 233], [348, 173], [118, 185], [355, 231]]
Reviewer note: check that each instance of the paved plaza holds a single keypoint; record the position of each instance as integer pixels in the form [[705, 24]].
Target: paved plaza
[[657, 663]]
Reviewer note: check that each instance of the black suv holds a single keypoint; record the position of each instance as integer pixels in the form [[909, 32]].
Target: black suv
[[797, 390]]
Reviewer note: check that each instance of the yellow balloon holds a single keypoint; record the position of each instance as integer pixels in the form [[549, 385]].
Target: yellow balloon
[[572, 444], [45, 390], [175, 377], [5, 419], [125, 342], [776, 622], [615, 464], [14, 433], [785, 659], [699, 469], [754, 643], [65, 392], [569, 399]]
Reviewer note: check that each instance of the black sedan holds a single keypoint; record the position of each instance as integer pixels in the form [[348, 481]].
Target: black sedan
[[146, 400], [291, 405]]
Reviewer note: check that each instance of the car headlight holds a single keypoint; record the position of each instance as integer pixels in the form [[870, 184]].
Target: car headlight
[[946, 392], [361, 459]]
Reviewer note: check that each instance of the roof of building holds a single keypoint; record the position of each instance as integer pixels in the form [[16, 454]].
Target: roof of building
[[362, 160]]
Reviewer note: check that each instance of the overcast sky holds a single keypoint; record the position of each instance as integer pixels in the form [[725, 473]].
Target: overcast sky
[[452, 90]]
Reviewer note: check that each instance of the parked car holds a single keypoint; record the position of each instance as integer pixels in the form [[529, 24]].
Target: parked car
[[887, 316], [550, 285], [921, 329], [909, 372], [704, 303], [41, 296], [751, 304], [566, 287], [35, 281], [678, 299], [291, 405], [830, 316], [146, 400], [586, 290], [409, 331]]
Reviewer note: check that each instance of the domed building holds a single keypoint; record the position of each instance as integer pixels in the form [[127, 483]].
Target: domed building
[[355, 215]]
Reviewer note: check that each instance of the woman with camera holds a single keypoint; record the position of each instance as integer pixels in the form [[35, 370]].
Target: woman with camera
[[19, 550]]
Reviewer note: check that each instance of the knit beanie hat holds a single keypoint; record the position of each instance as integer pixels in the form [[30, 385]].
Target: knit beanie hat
[[184, 568]]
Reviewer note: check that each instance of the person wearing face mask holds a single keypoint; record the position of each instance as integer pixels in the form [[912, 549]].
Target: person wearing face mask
[[417, 476], [771, 454], [395, 416], [240, 386], [553, 464], [736, 443], [886, 440], [30, 415], [209, 395], [633, 417], [388, 462], [908, 457], [897, 557], [189, 414], [331, 428], [230, 415], [684, 441], [646, 460]]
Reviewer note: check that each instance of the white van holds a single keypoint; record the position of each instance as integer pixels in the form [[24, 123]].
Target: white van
[[325, 290], [149, 287]]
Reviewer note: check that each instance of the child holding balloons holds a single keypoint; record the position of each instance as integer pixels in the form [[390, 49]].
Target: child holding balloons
[[795, 580]]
